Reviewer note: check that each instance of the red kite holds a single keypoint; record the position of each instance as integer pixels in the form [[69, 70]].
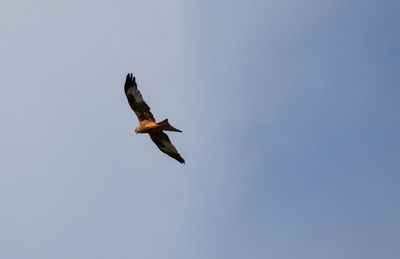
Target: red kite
[[147, 123]]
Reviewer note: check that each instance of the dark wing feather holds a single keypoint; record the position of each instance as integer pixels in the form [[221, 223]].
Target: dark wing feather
[[135, 99], [164, 144]]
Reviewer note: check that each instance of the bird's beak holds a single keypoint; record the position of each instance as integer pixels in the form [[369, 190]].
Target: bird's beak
[[135, 132]]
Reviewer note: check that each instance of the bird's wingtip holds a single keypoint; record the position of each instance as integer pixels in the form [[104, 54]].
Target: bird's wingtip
[[130, 77]]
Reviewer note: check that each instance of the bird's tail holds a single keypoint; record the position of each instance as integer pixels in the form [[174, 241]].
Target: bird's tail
[[166, 126]]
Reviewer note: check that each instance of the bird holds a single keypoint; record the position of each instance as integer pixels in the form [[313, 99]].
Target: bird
[[147, 123]]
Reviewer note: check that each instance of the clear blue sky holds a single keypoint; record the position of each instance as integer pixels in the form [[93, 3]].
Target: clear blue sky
[[290, 119]]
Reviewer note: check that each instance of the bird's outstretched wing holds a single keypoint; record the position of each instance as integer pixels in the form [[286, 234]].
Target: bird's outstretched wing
[[136, 101], [164, 144]]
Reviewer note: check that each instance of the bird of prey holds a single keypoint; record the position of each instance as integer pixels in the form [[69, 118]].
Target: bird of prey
[[147, 123]]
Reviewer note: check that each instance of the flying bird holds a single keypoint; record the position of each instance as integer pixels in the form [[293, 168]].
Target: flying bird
[[147, 123]]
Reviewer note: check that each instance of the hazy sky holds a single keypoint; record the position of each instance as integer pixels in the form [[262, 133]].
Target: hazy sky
[[290, 119]]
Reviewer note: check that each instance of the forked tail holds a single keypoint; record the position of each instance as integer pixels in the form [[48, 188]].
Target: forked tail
[[166, 126]]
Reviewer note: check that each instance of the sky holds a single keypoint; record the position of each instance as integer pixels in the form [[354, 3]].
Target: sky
[[290, 119]]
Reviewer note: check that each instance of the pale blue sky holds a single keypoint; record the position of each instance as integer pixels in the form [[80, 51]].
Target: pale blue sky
[[290, 119]]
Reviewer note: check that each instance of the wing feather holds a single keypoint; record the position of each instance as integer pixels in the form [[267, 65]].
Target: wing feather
[[135, 100], [164, 144]]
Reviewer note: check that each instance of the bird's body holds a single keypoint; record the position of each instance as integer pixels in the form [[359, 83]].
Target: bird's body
[[147, 126], [147, 123]]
